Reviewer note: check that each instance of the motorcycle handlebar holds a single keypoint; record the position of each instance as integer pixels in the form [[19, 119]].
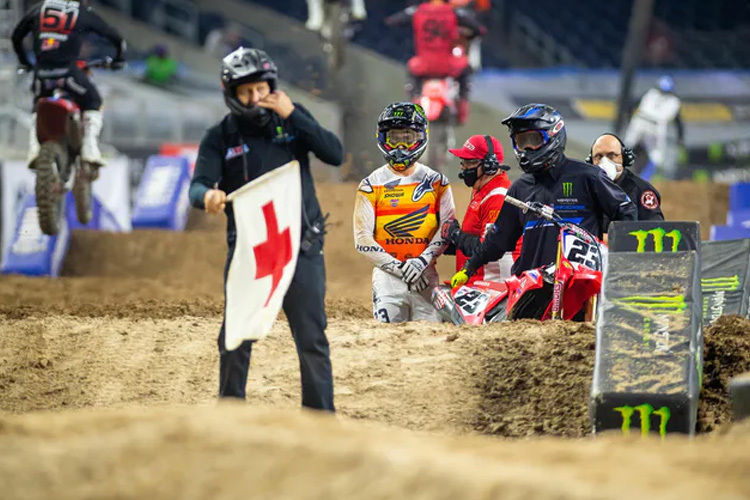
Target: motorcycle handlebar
[[548, 213], [103, 63]]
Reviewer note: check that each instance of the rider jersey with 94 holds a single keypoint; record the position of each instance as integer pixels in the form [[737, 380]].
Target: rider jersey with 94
[[407, 210]]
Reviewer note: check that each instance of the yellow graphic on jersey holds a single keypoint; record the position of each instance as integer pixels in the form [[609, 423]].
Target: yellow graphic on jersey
[[406, 215]]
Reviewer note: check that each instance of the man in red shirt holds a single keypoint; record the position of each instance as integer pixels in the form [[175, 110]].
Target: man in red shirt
[[481, 170], [436, 24]]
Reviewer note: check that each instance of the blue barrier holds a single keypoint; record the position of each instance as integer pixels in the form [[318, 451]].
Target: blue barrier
[[719, 233], [739, 196], [739, 217], [162, 198], [101, 219], [32, 252]]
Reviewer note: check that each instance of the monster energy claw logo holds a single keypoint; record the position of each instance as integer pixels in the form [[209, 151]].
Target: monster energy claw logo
[[662, 303], [645, 411], [724, 284], [567, 189], [658, 234]]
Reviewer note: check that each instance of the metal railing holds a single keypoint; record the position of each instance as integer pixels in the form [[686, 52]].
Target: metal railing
[[527, 35]]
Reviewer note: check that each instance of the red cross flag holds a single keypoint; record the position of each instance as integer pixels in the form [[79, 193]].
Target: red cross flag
[[267, 212]]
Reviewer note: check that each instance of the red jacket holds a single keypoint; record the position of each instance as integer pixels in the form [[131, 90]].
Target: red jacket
[[480, 216]]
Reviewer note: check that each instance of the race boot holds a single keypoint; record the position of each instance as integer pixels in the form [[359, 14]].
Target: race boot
[[359, 12], [314, 15], [33, 143], [92, 126], [463, 111]]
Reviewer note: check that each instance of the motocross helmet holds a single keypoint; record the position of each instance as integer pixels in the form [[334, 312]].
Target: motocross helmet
[[666, 83], [402, 134], [538, 135], [245, 66]]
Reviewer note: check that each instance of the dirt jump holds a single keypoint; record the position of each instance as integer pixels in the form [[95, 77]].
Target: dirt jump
[[108, 381]]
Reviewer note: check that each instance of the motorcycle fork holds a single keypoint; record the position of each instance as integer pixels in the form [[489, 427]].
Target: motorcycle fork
[[591, 309], [557, 286]]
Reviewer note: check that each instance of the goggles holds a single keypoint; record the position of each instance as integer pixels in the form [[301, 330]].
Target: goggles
[[530, 139], [403, 138]]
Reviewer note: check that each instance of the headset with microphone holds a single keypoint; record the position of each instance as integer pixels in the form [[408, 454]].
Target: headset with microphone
[[628, 155], [490, 164]]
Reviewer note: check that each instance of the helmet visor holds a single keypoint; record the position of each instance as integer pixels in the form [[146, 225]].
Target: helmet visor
[[403, 137], [529, 140]]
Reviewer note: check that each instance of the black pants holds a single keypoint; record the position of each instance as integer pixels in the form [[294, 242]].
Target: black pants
[[304, 306], [75, 83]]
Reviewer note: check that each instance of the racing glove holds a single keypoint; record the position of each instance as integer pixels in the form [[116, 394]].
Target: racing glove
[[460, 278], [420, 285], [412, 269], [117, 64], [450, 231]]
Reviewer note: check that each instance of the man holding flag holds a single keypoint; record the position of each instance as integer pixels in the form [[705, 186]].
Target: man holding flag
[[254, 166]]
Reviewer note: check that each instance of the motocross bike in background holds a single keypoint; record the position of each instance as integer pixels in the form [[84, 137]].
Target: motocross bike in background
[[58, 166], [566, 289], [439, 98]]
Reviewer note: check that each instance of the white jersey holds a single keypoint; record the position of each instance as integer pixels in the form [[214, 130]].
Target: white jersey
[[398, 218], [659, 106]]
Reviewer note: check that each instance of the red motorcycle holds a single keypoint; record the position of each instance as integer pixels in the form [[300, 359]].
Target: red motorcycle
[[58, 167], [439, 98], [567, 289]]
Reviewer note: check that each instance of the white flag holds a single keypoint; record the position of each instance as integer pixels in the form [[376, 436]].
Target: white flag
[[267, 212]]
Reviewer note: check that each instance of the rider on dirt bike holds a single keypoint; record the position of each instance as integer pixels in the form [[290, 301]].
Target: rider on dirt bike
[[576, 191], [481, 170], [397, 217], [58, 28], [436, 32]]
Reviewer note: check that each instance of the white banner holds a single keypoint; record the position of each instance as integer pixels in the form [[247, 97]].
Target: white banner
[[112, 189], [267, 212]]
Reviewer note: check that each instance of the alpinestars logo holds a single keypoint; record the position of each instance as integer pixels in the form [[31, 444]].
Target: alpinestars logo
[[403, 227], [423, 188]]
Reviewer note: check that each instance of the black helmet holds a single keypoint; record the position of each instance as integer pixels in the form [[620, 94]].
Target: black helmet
[[245, 66], [538, 135], [402, 116]]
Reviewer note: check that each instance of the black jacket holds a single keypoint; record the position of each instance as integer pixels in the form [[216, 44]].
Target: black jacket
[[577, 192], [58, 35], [220, 156], [645, 196]]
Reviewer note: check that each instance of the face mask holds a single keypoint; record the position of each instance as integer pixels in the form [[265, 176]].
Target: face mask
[[469, 176], [609, 167]]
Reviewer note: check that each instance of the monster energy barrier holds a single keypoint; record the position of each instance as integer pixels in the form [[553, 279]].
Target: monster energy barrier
[[648, 343], [654, 236], [725, 278]]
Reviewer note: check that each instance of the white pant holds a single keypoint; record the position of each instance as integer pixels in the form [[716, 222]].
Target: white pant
[[654, 137], [392, 302]]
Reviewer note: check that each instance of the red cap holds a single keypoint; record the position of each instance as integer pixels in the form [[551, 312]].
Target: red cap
[[475, 148]]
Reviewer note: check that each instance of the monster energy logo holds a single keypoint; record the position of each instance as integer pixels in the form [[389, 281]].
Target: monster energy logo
[[645, 411], [660, 303], [658, 235], [714, 295], [398, 112], [567, 189], [725, 284], [660, 308]]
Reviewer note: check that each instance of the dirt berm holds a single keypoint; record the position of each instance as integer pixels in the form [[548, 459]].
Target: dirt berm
[[130, 329]]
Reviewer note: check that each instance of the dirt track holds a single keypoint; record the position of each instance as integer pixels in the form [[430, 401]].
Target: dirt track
[[133, 324]]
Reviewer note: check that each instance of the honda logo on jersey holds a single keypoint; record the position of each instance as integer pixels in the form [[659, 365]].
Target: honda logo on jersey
[[404, 227]]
